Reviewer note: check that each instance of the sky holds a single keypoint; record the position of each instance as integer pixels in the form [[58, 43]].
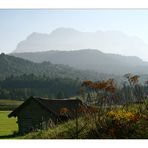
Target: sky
[[17, 24]]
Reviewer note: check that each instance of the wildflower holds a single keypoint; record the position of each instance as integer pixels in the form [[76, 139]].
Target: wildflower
[[122, 115]]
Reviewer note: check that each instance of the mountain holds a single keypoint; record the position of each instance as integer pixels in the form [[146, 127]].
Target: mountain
[[10, 65], [90, 59], [71, 39]]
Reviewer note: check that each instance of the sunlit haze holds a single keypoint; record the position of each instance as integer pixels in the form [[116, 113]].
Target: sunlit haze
[[17, 25]]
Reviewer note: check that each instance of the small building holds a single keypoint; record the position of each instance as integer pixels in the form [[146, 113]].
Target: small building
[[38, 113]]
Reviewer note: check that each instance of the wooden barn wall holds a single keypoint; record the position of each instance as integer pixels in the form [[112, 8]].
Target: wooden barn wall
[[33, 116]]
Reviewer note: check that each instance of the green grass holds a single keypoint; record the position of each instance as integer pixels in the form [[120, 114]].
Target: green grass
[[9, 104], [67, 130], [7, 125], [62, 131], [104, 128]]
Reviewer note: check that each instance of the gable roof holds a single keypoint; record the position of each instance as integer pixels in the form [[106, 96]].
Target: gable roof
[[51, 105]]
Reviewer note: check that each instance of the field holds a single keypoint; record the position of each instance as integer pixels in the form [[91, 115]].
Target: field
[[129, 126], [7, 125], [9, 104]]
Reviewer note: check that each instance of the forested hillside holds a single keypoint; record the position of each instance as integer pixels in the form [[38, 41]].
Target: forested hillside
[[10, 65], [21, 78]]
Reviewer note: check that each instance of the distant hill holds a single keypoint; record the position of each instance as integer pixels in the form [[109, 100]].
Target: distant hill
[[10, 65], [90, 59], [71, 39]]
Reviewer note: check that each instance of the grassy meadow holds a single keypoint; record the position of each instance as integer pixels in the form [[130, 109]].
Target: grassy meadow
[[111, 113], [116, 123], [7, 125]]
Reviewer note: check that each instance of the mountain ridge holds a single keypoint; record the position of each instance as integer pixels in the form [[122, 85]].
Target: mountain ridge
[[88, 59], [72, 39]]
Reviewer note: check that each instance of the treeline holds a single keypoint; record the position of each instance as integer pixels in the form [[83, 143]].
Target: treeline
[[107, 92], [23, 86]]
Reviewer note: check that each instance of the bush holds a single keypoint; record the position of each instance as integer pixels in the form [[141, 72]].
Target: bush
[[120, 124]]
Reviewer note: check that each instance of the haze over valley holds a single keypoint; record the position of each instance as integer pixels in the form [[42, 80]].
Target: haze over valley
[[90, 59], [83, 50], [66, 39]]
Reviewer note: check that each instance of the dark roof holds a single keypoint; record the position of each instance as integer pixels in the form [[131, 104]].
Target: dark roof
[[51, 105]]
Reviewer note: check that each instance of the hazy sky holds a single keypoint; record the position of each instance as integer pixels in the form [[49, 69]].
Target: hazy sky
[[16, 25]]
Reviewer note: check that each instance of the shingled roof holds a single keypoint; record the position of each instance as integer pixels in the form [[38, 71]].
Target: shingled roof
[[51, 105]]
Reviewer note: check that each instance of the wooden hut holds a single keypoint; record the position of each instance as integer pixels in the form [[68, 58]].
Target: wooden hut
[[38, 113]]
